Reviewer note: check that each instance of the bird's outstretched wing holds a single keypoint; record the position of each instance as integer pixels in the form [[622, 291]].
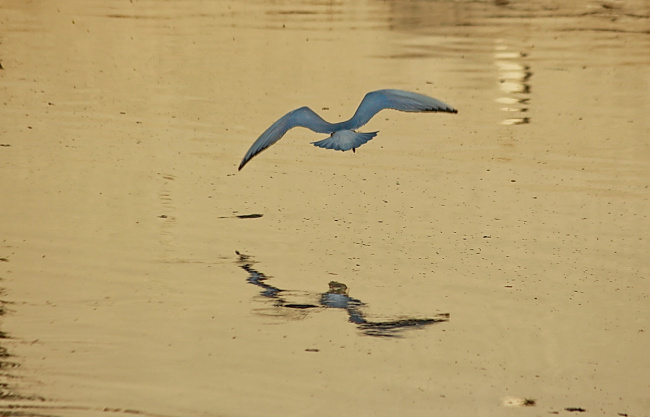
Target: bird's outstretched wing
[[303, 117], [376, 101]]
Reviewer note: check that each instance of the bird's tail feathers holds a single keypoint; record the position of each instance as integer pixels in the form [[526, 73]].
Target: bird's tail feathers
[[344, 140]]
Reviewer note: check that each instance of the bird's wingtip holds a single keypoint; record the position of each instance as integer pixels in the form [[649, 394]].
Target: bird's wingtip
[[447, 109]]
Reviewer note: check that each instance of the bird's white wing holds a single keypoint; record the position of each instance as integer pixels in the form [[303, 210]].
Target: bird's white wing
[[376, 101], [303, 117]]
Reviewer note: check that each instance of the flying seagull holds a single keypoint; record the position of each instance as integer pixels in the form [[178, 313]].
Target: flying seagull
[[343, 134]]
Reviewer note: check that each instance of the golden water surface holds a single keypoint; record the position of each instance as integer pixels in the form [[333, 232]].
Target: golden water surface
[[489, 263]]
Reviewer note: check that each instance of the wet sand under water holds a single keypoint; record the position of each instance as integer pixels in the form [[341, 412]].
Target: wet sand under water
[[454, 265]]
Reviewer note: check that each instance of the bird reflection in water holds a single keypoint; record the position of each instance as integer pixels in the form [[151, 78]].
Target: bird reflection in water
[[297, 304]]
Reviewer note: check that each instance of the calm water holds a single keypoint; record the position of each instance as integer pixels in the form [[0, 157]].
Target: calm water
[[455, 265]]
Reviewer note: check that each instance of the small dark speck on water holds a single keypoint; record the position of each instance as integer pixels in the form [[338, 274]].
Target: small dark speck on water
[[312, 350], [163, 216], [575, 409], [249, 216], [243, 216]]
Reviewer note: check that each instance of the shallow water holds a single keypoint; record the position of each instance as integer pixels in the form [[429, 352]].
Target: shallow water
[[502, 250]]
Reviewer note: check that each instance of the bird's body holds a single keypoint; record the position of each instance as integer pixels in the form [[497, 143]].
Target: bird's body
[[343, 135]]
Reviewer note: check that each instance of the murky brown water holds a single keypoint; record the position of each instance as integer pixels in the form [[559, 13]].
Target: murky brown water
[[488, 257]]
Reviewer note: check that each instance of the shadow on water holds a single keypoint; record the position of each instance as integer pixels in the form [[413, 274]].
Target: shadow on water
[[14, 403], [8, 366], [9, 397], [292, 304]]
